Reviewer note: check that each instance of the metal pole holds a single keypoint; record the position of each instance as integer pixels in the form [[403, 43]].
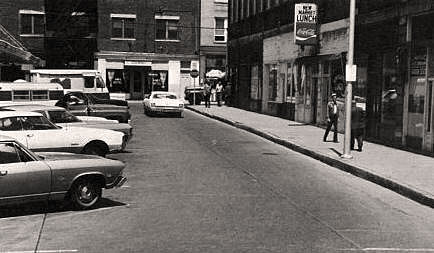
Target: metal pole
[[349, 89], [194, 91]]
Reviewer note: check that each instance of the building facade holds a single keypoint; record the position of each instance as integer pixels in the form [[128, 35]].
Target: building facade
[[274, 75], [22, 37], [147, 45], [213, 35]]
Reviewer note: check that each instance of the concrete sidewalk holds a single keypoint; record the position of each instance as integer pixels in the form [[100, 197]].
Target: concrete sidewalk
[[409, 174]]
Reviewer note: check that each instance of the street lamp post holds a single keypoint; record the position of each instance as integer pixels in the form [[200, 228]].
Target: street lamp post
[[350, 78]]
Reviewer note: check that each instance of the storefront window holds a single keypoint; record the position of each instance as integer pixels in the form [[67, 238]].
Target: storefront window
[[117, 81], [338, 77], [254, 87], [272, 83], [290, 85], [160, 82]]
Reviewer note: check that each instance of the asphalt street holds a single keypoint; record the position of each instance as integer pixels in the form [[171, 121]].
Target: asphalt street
[[198, 185]]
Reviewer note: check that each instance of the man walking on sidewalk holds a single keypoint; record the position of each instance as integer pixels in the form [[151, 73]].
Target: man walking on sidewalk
[[219, 91], [357, 126], [207, 94], [332, 119]]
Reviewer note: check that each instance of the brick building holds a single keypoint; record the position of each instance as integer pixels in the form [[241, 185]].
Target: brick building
[[22, 37], [147, 45], [273, 75], [213, 35]]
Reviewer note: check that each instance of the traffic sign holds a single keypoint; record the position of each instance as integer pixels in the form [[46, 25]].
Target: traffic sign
[[194, 73]]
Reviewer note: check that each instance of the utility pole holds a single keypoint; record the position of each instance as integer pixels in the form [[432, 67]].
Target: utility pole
[[350, 76]]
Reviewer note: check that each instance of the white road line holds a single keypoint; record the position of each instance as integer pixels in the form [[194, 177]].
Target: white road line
[[45, 251], [388, 249]]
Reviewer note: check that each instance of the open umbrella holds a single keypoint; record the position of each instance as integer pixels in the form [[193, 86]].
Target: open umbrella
[[215, 73]]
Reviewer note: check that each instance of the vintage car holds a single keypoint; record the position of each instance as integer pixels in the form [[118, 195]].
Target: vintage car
[[194, 94], [61, 117], [85, 104], [163, 102], [27, 176], [39, 134]]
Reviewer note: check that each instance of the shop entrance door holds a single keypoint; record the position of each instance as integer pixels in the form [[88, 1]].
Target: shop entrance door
[[416, 118]]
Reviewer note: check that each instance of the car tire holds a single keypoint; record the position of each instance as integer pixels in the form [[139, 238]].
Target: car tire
[[95, 149], [85, 193]]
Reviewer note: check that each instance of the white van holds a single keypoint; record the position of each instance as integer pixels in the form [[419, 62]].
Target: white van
[[22, 92], [84, 80]]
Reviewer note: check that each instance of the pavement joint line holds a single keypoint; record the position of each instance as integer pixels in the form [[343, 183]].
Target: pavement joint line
[[400, 188]]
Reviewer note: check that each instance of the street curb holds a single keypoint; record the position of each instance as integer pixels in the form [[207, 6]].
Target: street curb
[[420, 197]]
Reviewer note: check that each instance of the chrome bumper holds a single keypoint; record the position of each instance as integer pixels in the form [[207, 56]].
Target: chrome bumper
[[119, 181]]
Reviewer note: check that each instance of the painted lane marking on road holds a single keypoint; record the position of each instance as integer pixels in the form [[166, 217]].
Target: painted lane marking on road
[[44, 251], [389, 250]]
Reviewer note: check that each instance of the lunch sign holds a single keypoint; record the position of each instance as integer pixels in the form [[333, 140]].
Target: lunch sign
[[305, 24]]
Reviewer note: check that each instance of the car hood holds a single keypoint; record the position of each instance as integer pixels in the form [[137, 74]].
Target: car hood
[[111, 102], [57, 156], [89, 119]]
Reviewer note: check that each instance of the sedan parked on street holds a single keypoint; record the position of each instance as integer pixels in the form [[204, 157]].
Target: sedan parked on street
[[85, 104], [61, 117], [163, 102], [27, 176], [39, 134]]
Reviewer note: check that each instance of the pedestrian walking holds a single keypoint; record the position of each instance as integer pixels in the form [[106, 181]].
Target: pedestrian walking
[[207, 94], [219, 92], [227, 93], [357, 126], [332, 118]]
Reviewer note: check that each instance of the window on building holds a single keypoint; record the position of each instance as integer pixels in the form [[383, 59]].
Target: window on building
[[220, 29], [272, 83], [123, 26], [167, 28], [31, 22], [290, 85], [252, 7]]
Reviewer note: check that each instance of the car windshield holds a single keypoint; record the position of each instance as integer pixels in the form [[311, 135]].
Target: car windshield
[[168, 96], [37, 123], [60, 116]]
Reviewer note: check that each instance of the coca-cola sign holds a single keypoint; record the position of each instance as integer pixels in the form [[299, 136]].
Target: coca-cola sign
[[305, 24]]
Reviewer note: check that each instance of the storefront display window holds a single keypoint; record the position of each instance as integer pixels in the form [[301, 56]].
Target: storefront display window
[[254, 87], [117, 81], [272, 83], [290, 85], [338, 77], [160, 81]]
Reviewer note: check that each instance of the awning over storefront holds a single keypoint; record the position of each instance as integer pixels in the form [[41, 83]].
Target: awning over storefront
[[11, 50]]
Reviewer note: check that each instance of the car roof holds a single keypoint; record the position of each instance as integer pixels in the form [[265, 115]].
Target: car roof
[[163, 92], [6, 114], [33, 107], [6, 138]]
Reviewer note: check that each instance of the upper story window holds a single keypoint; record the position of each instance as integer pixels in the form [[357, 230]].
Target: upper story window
[[123, 26], [220, 29], [32, 23], [167, 28]]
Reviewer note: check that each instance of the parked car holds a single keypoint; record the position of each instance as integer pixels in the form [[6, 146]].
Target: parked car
[[163, 102], [28, 176], [86, 104], [61, 117], [190, 92], [39, 134]]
